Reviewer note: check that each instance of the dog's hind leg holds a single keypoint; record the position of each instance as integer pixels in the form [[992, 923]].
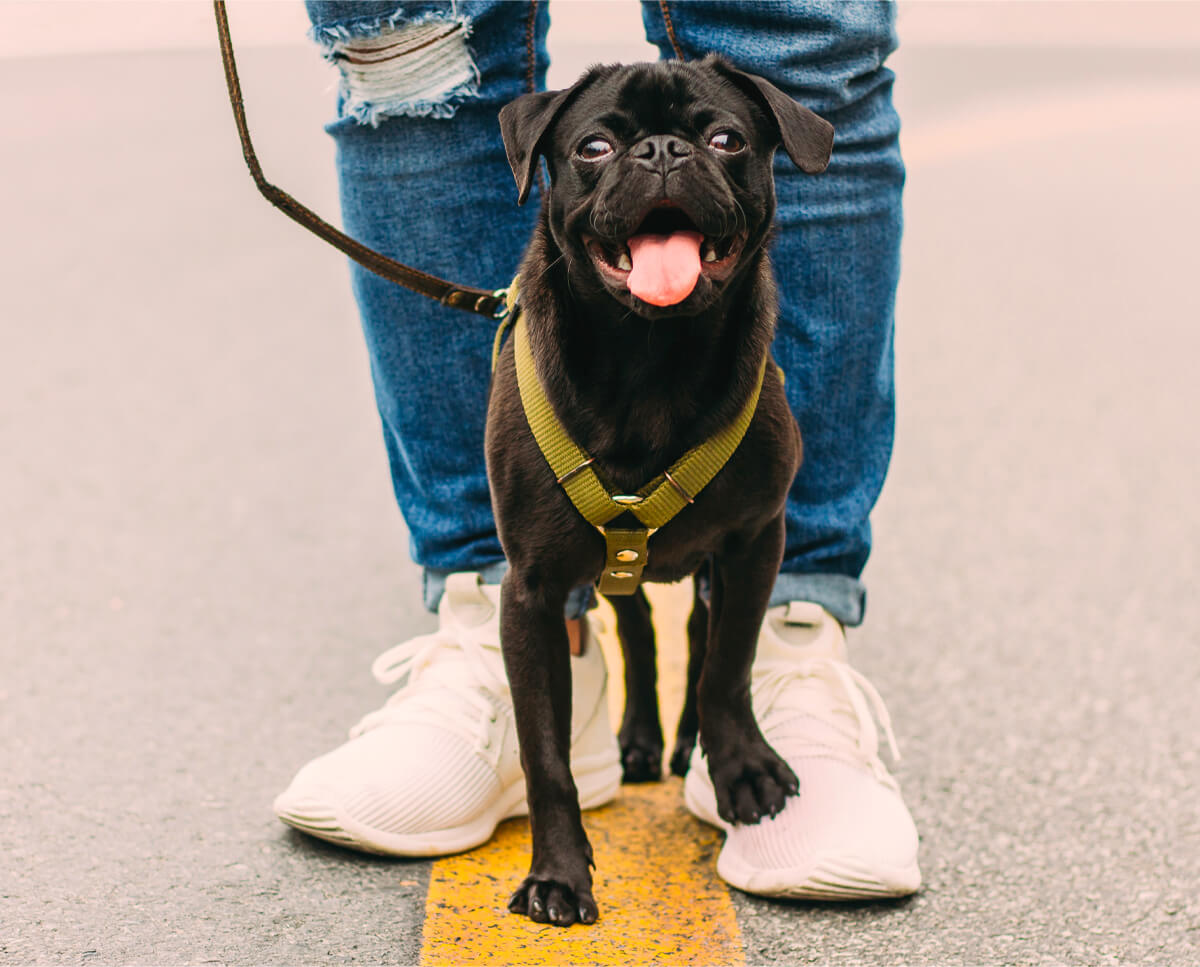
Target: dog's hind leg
[[641, 735], [689, 718]]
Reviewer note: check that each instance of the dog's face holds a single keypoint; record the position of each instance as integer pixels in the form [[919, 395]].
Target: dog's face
[[661, 185]]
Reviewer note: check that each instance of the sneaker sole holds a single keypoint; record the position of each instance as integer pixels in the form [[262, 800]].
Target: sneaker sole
[[827, 877], [598, 778]]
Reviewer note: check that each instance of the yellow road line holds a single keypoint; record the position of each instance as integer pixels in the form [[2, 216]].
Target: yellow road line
[[660, 899]]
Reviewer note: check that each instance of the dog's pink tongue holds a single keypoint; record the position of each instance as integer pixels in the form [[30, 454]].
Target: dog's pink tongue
[[665, 267]]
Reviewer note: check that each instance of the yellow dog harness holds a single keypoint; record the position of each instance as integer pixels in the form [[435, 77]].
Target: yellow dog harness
[[654, 504]]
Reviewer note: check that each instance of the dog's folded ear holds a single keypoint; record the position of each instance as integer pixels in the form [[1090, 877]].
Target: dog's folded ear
[[522, 124], [806, 137], [525, 121]]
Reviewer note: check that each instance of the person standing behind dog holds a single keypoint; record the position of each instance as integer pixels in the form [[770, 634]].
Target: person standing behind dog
[[424, 179]]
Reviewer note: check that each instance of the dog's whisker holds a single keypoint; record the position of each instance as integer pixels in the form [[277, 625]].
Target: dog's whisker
[[570, 291], [551, 265], [741, 222]]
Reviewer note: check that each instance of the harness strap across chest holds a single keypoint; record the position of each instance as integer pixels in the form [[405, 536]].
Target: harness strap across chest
[[653, 505]]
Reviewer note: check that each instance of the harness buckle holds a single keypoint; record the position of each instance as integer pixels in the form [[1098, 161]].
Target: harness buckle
[[625, 557]]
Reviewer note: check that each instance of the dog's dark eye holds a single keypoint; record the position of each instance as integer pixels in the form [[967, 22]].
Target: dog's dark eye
[[593, 149], [728, 141]]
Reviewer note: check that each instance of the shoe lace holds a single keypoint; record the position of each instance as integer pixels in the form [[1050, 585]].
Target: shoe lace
[[451, 680], [830, 690]]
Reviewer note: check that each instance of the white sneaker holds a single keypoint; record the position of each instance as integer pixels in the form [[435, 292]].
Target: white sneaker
[[437, 768], [848, 834]]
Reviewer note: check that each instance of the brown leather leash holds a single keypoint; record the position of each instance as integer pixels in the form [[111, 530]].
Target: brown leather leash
[[481, 301]]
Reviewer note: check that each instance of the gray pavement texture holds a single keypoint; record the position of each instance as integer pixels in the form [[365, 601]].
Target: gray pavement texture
[[199, 554]]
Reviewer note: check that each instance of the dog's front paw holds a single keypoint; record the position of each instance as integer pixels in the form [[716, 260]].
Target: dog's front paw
[[548, 901], [752, 784]]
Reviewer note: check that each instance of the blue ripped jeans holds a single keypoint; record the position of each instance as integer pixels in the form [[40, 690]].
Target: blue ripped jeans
[[424, 179]]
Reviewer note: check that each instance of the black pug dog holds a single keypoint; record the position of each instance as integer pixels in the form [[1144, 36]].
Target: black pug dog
[[649, 309]]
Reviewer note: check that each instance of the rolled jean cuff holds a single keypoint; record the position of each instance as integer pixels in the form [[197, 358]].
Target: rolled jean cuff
[[434, 583], [842, 596]]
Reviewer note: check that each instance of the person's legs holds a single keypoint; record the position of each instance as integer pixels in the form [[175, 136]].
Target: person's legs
[[836, 256], [836, 259], [424, 179]]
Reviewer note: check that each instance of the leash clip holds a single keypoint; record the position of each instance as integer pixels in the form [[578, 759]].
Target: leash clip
[[500, 313]]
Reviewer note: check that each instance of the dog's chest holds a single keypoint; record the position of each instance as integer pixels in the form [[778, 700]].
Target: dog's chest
[[677, 550], [672, 571]]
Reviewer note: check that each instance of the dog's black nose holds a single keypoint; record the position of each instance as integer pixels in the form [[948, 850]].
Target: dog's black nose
[[662, 152]]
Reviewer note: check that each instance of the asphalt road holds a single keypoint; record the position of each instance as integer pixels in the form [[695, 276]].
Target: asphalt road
[[199, 554]]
